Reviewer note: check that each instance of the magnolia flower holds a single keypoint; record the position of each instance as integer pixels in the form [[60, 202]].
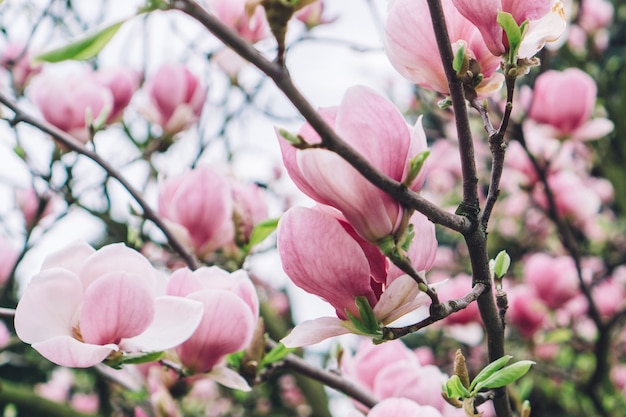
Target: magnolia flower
[[377, 130], [395, 407], [546, 22], [249, 23], [565, 100], [176, 98], [339, 266], [554, 279], [411, 46], [87, 305], [199, 207], [231, 312], [70, 103]]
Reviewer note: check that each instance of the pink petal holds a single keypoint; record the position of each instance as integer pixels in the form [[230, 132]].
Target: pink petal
[[116, 306], [118, 257], [395, 407], [183, 282], [228, 378], [330, 265], [67, 351], [175, 320], [71, 257], [227, 326], [399, 298], [315, 331], [594, 129], [49, 305], [484, 14]]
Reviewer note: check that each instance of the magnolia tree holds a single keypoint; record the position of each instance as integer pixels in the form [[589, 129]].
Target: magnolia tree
[[462, 217]]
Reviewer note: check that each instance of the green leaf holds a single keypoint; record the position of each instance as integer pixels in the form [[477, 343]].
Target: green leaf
[[505, 376], [276, 354], [513, 33], [367, 324], [454, 388], [137, 358], [82, 49], [295, 140], [488, 370], [235, 359], [459, 60], [415, 166], [502, 264], [261, 231]]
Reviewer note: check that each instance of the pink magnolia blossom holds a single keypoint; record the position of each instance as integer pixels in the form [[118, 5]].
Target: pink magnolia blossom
[[595, 15], [392, 370], [176, 97], [377, 130], [565, 100], [546, 22], [526, 312], [19, 63], [395, 407], [457, 287], [122, 82], [339, 266], [68, 103], [313, 15], [231, 311], [411, 46], [113, 301], [249, 24], [199, 207], [554, 279]]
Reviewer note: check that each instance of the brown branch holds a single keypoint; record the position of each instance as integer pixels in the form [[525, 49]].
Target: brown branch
[[476, 236], [330, 379], [437, 312], [330, 139], [72, 144]]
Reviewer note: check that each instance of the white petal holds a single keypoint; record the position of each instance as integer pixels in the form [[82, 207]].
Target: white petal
[[67, 351], [400, 298], [175, 320], [229, 378], [311, 332]]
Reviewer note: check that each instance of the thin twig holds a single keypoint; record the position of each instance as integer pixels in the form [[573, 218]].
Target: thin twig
[[438, 312], [328, 378]]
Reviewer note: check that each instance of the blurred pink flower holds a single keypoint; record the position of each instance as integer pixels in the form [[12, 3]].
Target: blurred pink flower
[[176, 98], [21, 70], [122, 82], [228, 298], [377, 130], [527, 312], [546, 22], [67, 102], [553, 279], [113, 301], [457, 287], [392, 370], [234, 14], [313, 15], [351, 268], [199, 207], [565, 100], [411, 46], [595, 15], [396, 407]]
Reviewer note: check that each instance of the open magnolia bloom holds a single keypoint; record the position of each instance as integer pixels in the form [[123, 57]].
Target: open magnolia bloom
[[86, 306], [374, 127], [411, 46], [546, 22], [346, 271]]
